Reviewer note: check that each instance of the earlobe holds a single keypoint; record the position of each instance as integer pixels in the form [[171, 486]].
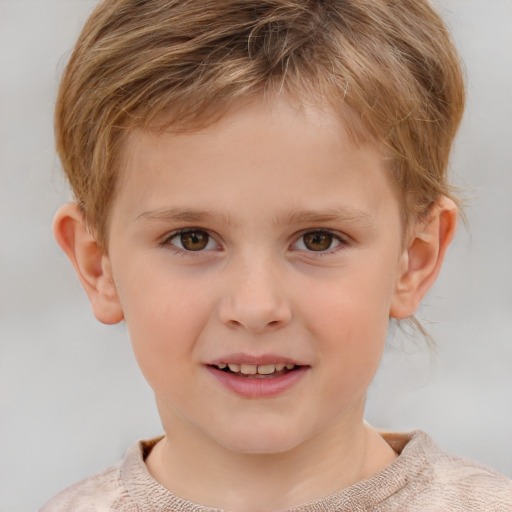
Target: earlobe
[[91, 265], [422, 259]]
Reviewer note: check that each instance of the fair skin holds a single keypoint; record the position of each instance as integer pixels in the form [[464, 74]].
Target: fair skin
[[264, 240]]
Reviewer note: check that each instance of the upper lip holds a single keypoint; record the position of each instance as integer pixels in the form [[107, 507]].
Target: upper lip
[[264, 359]]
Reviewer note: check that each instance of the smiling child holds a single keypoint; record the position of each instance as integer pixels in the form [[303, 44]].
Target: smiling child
[[260, 186]]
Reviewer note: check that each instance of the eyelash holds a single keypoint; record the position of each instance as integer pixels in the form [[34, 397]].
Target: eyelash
[[343, 242]]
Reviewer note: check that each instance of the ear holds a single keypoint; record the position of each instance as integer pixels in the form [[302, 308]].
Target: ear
[[91, 265], [422, 259]]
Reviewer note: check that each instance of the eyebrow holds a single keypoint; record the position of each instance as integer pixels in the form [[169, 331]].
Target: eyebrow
[[191, 215], [183, 215], [341, 214]]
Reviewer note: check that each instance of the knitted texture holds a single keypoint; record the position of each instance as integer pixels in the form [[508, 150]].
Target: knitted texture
[[423, 478]]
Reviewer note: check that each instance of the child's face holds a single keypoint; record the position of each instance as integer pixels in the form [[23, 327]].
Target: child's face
[[265, 239]]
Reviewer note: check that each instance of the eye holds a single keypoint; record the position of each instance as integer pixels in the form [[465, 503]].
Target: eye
[[192, 240], [318, 241]]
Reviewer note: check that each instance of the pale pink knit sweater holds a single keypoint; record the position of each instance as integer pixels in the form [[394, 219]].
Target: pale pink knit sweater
[[423, 478]]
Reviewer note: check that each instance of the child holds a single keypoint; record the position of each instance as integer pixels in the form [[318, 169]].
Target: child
[[260, 186]]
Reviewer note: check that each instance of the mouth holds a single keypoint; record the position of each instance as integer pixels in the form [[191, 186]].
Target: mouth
[[258, 377], [252, 371]]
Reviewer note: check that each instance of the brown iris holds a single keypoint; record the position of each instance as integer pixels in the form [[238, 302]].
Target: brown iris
[[318, 240], [194, 240]]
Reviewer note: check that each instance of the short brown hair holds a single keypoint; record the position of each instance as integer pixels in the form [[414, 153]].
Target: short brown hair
[[389, 64]]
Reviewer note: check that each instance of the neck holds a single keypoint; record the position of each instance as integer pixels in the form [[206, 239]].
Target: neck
[[201, 471]]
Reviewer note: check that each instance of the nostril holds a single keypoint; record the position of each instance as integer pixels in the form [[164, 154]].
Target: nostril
[[255, 326], [253, 315]]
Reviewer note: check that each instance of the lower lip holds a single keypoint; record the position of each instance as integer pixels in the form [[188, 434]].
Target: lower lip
[[256, 387]]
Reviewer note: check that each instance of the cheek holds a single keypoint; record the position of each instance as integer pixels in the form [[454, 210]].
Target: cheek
[[352, 306], [354, 338], [349, 322], [164, 323]]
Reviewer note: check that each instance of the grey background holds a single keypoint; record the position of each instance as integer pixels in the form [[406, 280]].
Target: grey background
[[71, 397]]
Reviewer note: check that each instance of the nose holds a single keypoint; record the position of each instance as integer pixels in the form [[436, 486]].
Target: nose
[[254, 298]]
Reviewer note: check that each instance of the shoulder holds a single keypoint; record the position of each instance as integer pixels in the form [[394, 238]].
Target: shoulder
[[101, 492], [109, 490], [471, 485], [126, 487], [437, 480]]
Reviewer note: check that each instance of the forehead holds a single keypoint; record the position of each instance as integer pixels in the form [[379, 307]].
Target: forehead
[[259, 156]]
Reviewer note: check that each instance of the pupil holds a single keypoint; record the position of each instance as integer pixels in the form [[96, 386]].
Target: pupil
[[318, 241], [194, 240]]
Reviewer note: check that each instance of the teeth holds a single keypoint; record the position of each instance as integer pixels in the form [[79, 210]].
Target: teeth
[[266, 369], [252, 369], [249, 369]]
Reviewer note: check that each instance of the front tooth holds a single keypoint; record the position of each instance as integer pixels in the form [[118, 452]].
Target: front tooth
[[279, 367], [249, 369], [234, 367], [266, 369], [290, 366]]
